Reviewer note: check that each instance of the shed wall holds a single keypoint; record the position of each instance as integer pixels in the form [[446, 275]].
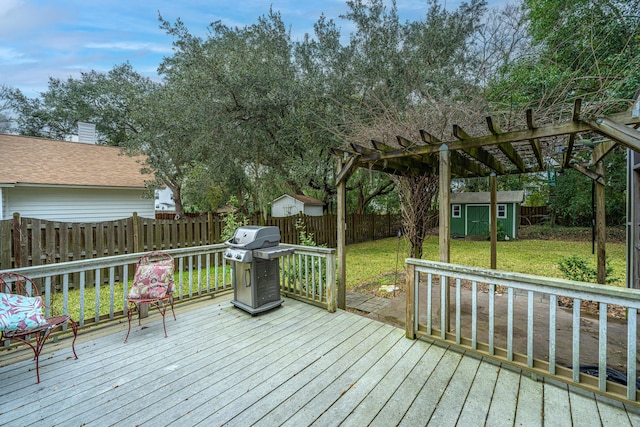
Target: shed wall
[[286, 206], [462, 226]]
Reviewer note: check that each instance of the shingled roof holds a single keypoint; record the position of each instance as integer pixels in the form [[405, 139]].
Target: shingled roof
[[40, 161]]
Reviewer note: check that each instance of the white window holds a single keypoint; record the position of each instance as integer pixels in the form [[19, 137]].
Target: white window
[[455, 211], [502, 211]]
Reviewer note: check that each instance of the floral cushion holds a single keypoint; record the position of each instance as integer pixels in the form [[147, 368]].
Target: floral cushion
[[19, 313], [153, 280]]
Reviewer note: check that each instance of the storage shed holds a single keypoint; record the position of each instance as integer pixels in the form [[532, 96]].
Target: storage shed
[[287, 205], [470, 213]]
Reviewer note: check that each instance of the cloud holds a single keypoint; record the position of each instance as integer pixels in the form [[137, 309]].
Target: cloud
[[9, 56], [21, 18], [130, 46]]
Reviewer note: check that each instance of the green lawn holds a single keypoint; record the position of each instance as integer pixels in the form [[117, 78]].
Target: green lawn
[[372, 264]]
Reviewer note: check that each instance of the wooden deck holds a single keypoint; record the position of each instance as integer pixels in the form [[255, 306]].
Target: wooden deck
[[296, 365]]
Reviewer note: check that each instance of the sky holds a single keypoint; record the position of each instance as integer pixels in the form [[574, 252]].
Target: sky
[[40, 39]]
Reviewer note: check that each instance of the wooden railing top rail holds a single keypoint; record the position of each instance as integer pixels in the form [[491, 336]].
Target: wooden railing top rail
[[68, 267], [561, 287]]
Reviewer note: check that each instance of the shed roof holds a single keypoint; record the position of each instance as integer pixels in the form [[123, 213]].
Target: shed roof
[[485, 197], [40, 161]]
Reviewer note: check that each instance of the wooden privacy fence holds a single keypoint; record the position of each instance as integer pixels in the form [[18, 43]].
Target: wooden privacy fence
[[530, 215], [27, 242]]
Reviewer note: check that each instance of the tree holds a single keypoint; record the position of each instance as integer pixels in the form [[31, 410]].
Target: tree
[[105, 99], [411, 77], [255, 105], [5, 110], [172, 135], [584, 49], [571, 198]]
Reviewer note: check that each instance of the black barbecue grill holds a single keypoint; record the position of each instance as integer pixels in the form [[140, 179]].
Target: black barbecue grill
[[255, 274]]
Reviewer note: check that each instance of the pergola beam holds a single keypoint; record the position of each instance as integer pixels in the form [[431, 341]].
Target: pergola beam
[[487, 140], [478, 153], [567, 154], [588, 173], [405, 165], [601, 150], [577, 106], [624, 134], [460, 165], [535, 141], [506, 148]]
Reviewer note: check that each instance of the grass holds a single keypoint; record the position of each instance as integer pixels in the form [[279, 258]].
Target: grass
[[373, 264], [118, 302]]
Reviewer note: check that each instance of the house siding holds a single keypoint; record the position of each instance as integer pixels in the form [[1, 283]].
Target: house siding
[[75, 204]]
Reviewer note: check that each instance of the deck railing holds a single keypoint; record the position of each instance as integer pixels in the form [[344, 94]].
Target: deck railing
[[309, 274], [200, 271], [516, 319]]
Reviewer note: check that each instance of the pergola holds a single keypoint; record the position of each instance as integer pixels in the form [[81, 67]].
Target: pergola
[[531, 149]]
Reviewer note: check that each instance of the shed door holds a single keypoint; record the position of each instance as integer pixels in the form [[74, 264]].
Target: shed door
[[477, 220]]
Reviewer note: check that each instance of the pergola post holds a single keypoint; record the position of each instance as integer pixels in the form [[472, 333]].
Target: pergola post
[[601, 223], [341, 241], [633, 219], [444, 230], [493, 220]]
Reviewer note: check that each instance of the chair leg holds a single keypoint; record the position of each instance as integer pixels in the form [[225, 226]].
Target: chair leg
[[74, 328], [41, 338], [174, 313], [129, 314], [162, 309]]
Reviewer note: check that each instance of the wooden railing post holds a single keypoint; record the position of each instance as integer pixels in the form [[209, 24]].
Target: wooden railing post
[[410, 302], [332, 301]]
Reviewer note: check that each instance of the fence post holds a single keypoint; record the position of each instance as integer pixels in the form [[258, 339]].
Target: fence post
[[210, 228], [136, 243], [17, 241]]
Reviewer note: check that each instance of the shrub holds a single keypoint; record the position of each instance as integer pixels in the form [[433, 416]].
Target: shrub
[[577, 268]]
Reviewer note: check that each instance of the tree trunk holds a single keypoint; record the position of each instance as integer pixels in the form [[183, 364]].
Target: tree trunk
[[177, 199]]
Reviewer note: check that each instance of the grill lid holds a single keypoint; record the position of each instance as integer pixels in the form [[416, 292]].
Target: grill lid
[[255, 237]]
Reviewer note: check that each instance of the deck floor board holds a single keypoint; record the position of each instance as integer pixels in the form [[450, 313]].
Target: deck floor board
[[296, 365]]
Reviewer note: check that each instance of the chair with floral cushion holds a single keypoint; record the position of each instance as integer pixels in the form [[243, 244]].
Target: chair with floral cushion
[[22, 316], [152, 285]]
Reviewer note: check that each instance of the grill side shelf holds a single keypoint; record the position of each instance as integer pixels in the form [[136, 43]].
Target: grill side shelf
[[271, 253]]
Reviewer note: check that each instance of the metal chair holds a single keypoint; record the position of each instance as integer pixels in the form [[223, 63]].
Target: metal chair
[[152, 285], [18, 284]]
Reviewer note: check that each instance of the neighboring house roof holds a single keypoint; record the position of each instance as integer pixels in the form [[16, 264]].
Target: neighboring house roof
[[485, 197], [302, 198], [40, 161]]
